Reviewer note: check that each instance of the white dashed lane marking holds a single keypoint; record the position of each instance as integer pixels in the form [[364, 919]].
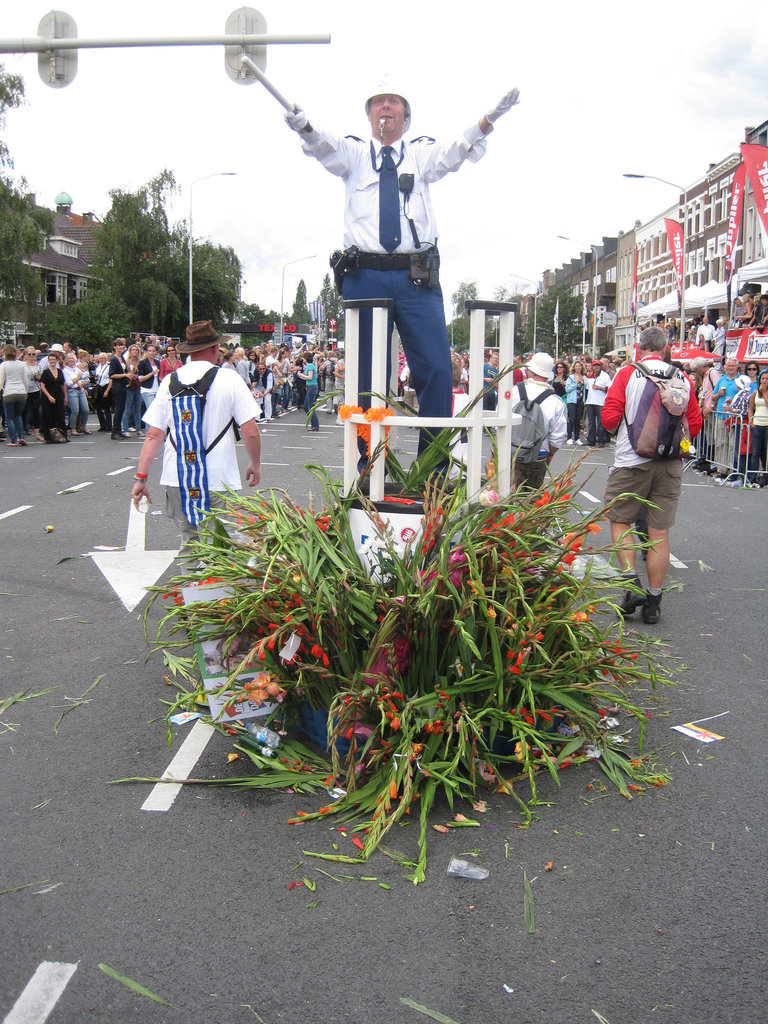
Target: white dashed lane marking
[[164, 793], [14, 511], [76, 487], [41, 994]]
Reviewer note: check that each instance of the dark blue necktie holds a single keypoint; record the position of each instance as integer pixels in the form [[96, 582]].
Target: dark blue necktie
[[389, 202]]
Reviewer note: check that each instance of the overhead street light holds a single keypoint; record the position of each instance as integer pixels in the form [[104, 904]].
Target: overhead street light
[[216, 174], [282, 287], [680, 188]]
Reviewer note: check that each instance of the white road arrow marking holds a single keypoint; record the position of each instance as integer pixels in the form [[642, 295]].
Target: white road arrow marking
[[130, 572]]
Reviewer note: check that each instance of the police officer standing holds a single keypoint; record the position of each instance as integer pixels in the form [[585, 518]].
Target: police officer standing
[[390, 234]]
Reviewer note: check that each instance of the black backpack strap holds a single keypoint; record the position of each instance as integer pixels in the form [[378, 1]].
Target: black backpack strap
[[543, 396], [220, 435]]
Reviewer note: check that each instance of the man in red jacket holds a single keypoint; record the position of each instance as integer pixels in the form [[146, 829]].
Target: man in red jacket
[[656, 480]]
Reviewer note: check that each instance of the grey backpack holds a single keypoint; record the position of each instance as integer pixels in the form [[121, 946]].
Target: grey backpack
[[529, 434]]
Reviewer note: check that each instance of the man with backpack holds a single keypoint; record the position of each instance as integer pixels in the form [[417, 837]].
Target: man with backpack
[[653, 405], [192, 419], [543, 425]]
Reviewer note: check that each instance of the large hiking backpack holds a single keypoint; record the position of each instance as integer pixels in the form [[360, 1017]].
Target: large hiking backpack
[[187, 407], [660, 420], [529, 434]]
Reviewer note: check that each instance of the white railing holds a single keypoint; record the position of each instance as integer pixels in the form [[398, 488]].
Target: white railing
[[476, 420]]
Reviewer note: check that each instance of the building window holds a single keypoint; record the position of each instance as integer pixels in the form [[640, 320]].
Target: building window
[[55, 289]]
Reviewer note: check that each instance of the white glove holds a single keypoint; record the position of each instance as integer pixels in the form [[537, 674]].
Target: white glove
[[505, 103], [296, 119]]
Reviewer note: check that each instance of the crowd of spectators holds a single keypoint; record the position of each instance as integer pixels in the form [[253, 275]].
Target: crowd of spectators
[[54, 393]]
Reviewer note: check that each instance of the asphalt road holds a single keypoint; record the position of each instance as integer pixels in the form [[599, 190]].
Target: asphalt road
[[654, 910]]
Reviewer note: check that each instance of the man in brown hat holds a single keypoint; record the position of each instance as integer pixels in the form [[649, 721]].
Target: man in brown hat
[[228, 402]]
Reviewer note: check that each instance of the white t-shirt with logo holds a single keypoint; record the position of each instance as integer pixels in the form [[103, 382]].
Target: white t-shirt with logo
[[228, 398]]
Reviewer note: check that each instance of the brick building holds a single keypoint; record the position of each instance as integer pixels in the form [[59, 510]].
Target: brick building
[[702, 207]]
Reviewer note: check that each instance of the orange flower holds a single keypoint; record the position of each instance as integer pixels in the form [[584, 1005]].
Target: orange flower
[[377, 415], [345, 411], [543, 500]]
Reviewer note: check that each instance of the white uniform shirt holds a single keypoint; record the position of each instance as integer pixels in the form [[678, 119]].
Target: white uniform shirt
[[554, 412], [228, 398], [426, 160]]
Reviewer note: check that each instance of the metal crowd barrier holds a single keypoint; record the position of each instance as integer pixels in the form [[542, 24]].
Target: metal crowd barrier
[[725, 442], [475, 422]]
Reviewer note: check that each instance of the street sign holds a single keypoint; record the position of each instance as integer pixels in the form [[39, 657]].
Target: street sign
[[57, 68], [600, 312], [245, 22], [611, 319]]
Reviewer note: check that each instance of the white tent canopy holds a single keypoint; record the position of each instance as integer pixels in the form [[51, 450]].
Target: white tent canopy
[[668, 303], [713, 294], [757, 271]]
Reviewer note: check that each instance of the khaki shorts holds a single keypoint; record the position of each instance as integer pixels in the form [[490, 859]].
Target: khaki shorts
[[658, 481], [174, 511]]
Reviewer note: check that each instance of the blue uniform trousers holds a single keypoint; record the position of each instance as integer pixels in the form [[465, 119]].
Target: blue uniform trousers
[[420, 318]]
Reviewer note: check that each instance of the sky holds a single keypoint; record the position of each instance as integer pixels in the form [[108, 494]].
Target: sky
[[657, 88]]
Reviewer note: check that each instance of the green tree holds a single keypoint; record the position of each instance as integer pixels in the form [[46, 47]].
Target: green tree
[[217, 275], [300, 313], [137, 258], [515, 293], [569, 318], [333, 304], [251, 313], [93, 323], [23, 225], [458, 327]]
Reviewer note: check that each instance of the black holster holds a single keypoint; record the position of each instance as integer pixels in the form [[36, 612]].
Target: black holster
[[344, 262], [425, 268]]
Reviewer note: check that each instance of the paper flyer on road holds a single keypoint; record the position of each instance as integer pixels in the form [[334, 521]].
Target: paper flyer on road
[[216, 658], [697, 733]]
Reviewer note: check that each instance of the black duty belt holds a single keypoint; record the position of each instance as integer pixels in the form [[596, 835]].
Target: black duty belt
[[384, 261]]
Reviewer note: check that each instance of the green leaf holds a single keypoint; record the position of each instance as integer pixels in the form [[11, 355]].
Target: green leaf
[[434, 1014], [20, 888], [133, 985], [530, 920]]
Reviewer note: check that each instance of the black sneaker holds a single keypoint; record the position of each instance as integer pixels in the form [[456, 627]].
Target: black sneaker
[[630, 600], [651, 609]]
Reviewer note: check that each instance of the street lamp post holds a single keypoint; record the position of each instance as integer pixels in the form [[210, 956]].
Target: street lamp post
[[282, 287], [680, 188], [594, 290], [216, 174]]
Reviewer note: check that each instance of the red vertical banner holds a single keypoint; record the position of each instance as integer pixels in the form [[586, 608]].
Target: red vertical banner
[[675, 236], [633, 303], [756, 161], [734, 219]]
